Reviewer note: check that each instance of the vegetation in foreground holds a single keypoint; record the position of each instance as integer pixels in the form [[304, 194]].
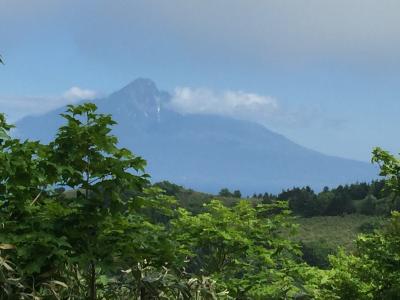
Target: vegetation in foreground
[[118, 237], [322, 231]]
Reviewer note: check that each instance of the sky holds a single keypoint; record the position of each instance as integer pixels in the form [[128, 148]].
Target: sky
[[326, 74]]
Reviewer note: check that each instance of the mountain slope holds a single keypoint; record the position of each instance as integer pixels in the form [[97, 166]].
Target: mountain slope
[[208, 152]]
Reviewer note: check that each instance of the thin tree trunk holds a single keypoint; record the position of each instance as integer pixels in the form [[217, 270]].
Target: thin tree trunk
[[92, 268], [143, 293], [92, 281]]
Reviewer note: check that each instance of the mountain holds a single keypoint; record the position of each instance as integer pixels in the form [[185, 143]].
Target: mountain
[[207, 152]]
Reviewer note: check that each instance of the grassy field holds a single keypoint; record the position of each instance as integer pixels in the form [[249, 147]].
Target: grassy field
[[321, 236]]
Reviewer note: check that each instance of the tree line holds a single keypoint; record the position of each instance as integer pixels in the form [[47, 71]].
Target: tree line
[[364, 198]]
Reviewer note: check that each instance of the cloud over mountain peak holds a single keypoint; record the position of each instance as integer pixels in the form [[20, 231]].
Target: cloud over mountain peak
[[237, 104]]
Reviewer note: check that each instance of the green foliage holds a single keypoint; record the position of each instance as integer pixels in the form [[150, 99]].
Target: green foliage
[[300, 200], [390, 169], [324, 199], [373, 272], [25, 175], [169, 188], [84, 210], [237, 194], [368, 206], [98, 230], [243, 248], [315, 253], [146, 282], [225, 193], [341, 204], [10, 285], [105, 226], [4, 129], [347, 199], [194, 201]]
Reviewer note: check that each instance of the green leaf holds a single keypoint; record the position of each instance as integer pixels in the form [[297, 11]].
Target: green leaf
[[3, 135]]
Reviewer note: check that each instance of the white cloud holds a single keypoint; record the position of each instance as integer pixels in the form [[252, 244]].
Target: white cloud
[[17, 107], [236, 104], [264, 110], [76, 93]]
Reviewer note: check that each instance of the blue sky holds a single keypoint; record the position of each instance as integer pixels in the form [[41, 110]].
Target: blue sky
[[324, 73]]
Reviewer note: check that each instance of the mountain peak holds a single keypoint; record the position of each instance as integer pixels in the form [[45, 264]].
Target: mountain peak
[[141, 84], [139, 90], [141, 97]]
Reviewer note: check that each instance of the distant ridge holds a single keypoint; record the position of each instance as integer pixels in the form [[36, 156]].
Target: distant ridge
[[208, 152]]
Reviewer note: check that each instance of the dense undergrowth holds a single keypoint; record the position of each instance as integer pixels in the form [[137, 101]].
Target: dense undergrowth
[[79, 219]]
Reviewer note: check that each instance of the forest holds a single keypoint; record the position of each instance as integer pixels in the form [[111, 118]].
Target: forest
[[80, 219]]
